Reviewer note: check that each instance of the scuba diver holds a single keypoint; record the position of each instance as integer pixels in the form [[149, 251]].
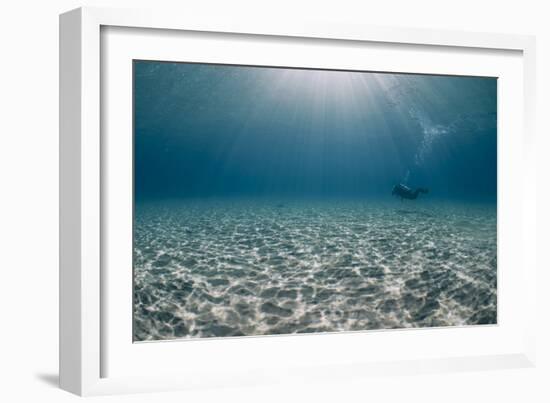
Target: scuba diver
[[405, 192]]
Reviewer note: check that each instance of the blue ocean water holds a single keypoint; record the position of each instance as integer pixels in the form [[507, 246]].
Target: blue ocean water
[[263, 200]]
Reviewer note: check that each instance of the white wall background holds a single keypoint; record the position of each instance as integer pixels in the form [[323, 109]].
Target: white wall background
[[29, 187]]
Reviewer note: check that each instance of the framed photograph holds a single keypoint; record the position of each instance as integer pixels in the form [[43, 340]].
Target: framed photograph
[[247, 202]]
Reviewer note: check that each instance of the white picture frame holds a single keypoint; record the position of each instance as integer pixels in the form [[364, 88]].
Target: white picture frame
[[96, 356]]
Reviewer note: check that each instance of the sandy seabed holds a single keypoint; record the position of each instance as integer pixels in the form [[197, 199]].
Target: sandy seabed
[[240, 268]]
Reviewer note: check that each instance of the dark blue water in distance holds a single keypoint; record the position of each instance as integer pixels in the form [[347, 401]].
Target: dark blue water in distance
[[263, 200]]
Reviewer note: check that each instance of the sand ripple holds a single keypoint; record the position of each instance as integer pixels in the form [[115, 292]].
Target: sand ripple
[[242, 268]]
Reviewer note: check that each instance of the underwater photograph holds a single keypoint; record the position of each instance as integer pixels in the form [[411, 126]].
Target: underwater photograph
[[276, 201]]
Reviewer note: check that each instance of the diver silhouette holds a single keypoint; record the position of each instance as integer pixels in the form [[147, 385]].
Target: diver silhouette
[[405, 192]]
